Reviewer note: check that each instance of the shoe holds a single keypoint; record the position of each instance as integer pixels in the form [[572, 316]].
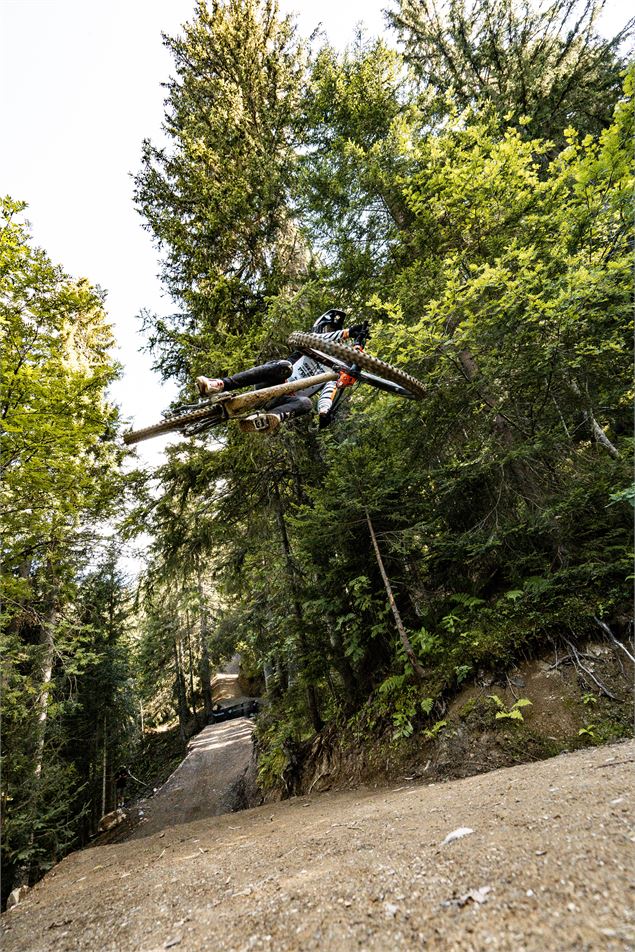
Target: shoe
[[208, 385], [260, 423]]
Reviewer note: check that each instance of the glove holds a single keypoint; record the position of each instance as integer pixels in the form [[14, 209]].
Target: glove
[[355, 330], [324, 419]]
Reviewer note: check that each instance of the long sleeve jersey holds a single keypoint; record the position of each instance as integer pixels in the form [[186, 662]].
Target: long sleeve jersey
[[304, 366]]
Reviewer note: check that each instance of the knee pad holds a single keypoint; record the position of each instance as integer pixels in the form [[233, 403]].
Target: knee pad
[[286, 368]]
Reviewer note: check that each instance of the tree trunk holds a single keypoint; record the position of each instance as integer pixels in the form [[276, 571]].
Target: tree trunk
[[342, 663], [104, 767], [205, 672], [589, 418], [418, 670], [191, 664], [180, 694], [94, 800], [45, 661], [282, 676], [267, 670], [312, 702], [47, 647]]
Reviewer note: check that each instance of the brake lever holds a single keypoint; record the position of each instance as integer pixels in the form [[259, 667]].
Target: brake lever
[[364, 336]]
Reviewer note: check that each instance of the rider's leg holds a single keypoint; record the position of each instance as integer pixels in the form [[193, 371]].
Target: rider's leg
[[288, 407], [267, 375], [284, 408]]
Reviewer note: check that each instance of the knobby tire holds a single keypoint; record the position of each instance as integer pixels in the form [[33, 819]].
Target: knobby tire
[[174, 424], [314, 344]]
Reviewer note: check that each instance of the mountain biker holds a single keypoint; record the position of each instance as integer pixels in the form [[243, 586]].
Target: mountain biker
[[298, 366]]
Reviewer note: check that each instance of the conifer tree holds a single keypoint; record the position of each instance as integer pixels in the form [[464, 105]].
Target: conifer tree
[[540, 62], [217, 196], [59, 479]]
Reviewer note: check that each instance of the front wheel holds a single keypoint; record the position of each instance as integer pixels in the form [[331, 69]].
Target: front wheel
[[373, 371], [187, 422]]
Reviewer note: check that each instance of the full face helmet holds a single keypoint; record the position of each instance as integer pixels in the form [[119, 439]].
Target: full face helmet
[[332, 320]]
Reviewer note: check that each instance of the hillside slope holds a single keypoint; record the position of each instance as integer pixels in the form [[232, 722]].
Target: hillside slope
[[544, 868]]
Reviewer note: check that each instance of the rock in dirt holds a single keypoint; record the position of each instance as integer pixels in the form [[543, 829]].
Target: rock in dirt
[[16, 895], [478, 896], [457, 835]]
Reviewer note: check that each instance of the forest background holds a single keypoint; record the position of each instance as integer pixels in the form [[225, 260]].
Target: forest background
[[468, 189]]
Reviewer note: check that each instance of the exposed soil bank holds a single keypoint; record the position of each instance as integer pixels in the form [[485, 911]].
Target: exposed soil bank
[[567, 711], [548, 858]]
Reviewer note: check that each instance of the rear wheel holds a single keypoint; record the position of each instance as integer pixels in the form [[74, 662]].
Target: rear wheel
[[373, 371], [206, 415]]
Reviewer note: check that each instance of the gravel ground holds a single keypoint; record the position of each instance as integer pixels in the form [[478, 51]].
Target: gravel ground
[[547, 866]]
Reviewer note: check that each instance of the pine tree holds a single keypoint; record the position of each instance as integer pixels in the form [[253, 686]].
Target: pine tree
[[544, 63], [217, 197], [59, 479]]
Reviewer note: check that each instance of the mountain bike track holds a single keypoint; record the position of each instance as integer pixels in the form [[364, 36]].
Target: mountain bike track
[[547, 866]]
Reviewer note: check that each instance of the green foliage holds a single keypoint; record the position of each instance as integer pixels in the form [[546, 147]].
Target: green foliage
[[432, 732], [588, 731], [278, 727], [403, 702], [485, 227], [462, 671], [624, 495], [62, 617], [536, 64], [217, 199], [271, 765], [514, 713]]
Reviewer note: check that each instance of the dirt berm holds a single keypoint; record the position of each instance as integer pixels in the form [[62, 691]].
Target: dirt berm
[[546, 866]]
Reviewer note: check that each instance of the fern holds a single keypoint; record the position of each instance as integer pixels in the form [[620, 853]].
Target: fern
[[393, 684]]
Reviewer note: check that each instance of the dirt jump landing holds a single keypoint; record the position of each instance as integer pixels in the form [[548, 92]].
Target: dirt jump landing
[[542, 866], [226, 683], [203, 784]]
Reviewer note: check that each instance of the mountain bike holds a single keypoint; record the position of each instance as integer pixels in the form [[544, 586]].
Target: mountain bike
[[348, 365]]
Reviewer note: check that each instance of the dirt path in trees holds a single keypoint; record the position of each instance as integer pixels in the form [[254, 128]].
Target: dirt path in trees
[[204, 784], [545, 867], [226, 683]]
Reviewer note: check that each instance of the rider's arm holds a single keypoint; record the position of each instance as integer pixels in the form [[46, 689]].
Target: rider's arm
[[336, 335], [347, 333]]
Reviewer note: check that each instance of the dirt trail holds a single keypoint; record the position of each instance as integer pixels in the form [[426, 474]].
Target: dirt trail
[[225, 683], [203, 784], [545, 868]]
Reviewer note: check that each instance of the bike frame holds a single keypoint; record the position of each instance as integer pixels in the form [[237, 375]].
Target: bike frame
[[234, 405]]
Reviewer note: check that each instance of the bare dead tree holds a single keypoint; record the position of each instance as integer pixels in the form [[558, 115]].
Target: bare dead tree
[[418, 670]]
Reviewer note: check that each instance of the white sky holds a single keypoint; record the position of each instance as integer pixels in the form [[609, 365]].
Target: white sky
[[80, 87]]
